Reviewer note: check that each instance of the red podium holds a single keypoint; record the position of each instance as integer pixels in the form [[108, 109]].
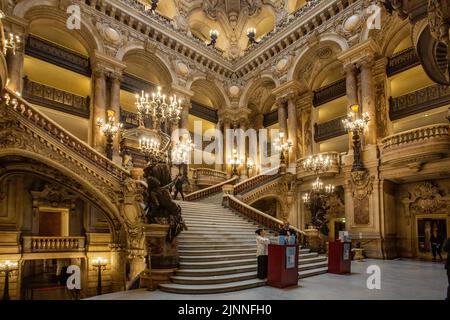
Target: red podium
[[339, 257], [283, 265]]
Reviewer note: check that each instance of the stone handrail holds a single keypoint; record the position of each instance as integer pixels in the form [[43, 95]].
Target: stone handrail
[[416, 135], [208, 172], [402, 61], [41, 243], [250, 184], [330, 129], [254, 214], [330, 92], [203, 193], [28, 113]]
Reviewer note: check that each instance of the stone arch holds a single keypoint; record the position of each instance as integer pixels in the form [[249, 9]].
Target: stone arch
[[47, 12], [395, 37], [136, 53], [266, 84], [279, 200], [53, 170], [313, 59], [211, 91]]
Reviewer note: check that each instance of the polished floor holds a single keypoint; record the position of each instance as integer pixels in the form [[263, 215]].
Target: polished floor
[[400, 279]]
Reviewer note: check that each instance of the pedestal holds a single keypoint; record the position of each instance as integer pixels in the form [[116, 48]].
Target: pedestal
[[283, 265]]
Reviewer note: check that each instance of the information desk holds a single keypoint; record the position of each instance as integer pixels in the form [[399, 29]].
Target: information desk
[[283, 265], [339, 257]]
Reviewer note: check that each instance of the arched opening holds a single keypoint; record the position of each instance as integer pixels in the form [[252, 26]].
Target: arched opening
[[270, 205]]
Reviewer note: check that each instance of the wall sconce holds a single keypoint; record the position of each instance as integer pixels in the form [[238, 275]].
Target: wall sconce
[[109, 129], [213, 35], [12, 42]]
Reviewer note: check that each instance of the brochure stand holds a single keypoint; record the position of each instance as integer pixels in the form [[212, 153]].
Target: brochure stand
[[283, 265], [339, 257]]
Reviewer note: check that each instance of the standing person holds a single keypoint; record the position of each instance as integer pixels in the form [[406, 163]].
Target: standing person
[[436, 243], [447, 265], [180, 180], [262, 243]]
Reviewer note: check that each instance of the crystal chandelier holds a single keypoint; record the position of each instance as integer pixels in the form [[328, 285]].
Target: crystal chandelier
[[182, 150], [318, 192], [158, 107], [317, 163]]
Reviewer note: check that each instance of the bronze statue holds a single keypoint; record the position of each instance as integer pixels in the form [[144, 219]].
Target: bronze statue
[[160, 208]]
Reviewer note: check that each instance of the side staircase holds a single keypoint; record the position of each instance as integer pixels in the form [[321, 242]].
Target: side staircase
[[218, 252]]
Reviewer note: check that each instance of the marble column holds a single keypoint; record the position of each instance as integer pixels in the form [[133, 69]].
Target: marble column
[[244, 157], [282, 116], [99, 108], [227, 149], [114, 105], [15, 69], [306, 105], [219, 163], [351, 84], [184, 116], [368, 99], [292, 123]]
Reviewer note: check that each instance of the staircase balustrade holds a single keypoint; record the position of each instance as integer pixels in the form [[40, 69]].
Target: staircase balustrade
[[253, 182], [204, 193]]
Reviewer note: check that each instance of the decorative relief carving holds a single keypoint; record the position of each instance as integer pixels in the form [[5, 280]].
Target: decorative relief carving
[[53, 195], [362, 187], [426, 198]]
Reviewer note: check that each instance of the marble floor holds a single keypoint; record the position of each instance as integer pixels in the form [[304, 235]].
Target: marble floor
[[400, 279]]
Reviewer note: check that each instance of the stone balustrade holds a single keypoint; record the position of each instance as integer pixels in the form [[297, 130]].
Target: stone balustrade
[[207, 192], [204, 177], [417, 145], [258, 180], [330, 129], [256, 215], [333, 169], [27, 113], [330, 92], [402, 61], [45, 244]]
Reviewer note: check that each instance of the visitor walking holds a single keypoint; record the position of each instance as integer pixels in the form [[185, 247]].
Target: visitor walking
[[447, 265], [180, 180], [262, 243], [436, 243]]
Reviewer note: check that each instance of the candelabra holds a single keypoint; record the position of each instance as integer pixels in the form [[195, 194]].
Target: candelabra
[[356, 124], [251, 34], [110, 129], [158, 107], [150, 148], [317, 193], [100, 264], [282, 145], [213, 34], [235, 161], [12, 42], [7, 268]]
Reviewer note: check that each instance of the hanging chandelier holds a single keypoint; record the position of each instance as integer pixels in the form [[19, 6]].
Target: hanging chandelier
[[150, 148], [158, 107], [182, 150], [317, 163], [317, 192]]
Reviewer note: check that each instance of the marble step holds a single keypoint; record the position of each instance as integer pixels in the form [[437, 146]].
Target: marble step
[[219, 231], [225, 227], [226, 278], [207, 252], [217, 264], [214, 243], [204, 246], [212, 288], [312, 272], [217, 257], [212, 218]]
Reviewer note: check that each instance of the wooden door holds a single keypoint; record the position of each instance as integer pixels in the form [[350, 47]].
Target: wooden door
[[50, 224]]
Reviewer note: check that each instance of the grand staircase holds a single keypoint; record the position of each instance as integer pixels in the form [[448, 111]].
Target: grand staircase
[[218, 252]]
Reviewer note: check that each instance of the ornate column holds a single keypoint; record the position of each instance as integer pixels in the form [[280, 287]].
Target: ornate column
[[292, 128], [380, 79], [306, 126], [114, 105], [220, 146], [185, 95], [282, 115], [99, 106], [368, 97], [351, 84], [227, 146], [243, 123]]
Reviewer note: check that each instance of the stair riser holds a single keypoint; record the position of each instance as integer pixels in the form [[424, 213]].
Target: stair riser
[[218, 258], [312, 274], [224, 264], [210, 273], [209, 291], [217, 252], [315, 266], [211, 281]]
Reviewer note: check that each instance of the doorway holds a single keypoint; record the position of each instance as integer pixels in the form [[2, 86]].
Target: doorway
[[425, 226], [53, 222]]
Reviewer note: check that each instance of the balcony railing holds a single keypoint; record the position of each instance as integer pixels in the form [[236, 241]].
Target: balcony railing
[[402, 61], [330, 129], [56, 99], [45, 244], [408, 146], [330, 92], [258, 180], [419, 101], [334, 168], [207, 177], [60, 56]]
